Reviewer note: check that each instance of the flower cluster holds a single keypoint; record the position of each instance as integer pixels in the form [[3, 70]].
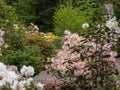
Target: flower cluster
[[112, 24], [69, 57], [51, 36], [27, 71], [32, 29], [9, 80]]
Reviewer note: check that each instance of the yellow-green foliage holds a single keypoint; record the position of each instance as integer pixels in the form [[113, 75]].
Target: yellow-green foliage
[[7, 12], [34, 37], [69, 18], [26, 46], [52, 36]]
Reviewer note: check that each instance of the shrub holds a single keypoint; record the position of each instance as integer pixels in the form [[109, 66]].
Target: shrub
[[34, 37], [26, 48], [64, 18], [85, 63], [88, 63], [73, 14], [29, 56], [7, 13], [10, 80]]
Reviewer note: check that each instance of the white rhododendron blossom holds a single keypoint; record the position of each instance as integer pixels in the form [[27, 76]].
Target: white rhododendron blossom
[[112, 24], [2, 33], [27, 71], [7, 76], [13, 81], [2, 67], [10, 77], [85, 26], [39, 86]]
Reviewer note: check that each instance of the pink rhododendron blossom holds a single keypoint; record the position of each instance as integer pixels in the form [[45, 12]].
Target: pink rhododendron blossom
[[61, 67], [67, 58], [113, 54]]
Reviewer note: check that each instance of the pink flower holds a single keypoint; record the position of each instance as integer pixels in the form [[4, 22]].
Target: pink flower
[[61, 68], [113, 54]]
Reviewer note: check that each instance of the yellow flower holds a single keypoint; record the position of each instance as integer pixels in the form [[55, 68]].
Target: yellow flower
[[6, 45]]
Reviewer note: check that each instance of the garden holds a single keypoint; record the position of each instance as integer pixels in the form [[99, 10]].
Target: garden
[[59, 45]]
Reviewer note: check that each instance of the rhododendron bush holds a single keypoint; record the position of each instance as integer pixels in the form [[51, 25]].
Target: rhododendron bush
[[87, 61], [10, 80]]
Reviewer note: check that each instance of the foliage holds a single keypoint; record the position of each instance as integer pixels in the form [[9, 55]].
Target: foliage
[[45, 10], [26, 48], [53, 37], [25, 10], [116, 9], [87, 62], [117, 46], [8, 13], [78, 13], [39, 12], [34, 37], [29, 56]]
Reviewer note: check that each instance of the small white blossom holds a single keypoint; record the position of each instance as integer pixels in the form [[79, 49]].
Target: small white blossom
[[22, 85], [36, 27], [112, 24], [15, 85], [40, 86], [2, 83], [15, 26], [2, 33], [29, 80], [11, 76], [15, 81], [67, 32], [85, 25], [27, 71], [2, 67]]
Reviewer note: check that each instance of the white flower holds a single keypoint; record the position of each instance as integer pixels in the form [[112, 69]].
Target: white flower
[[67, 32], [2, 83], [36, 27], [29, 80], [11, 76], [15, 26], [27, 71], [85, 25], [40, 86], [112, 24], [1, 33], [15, 85], [2, 67], [22, 85]]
